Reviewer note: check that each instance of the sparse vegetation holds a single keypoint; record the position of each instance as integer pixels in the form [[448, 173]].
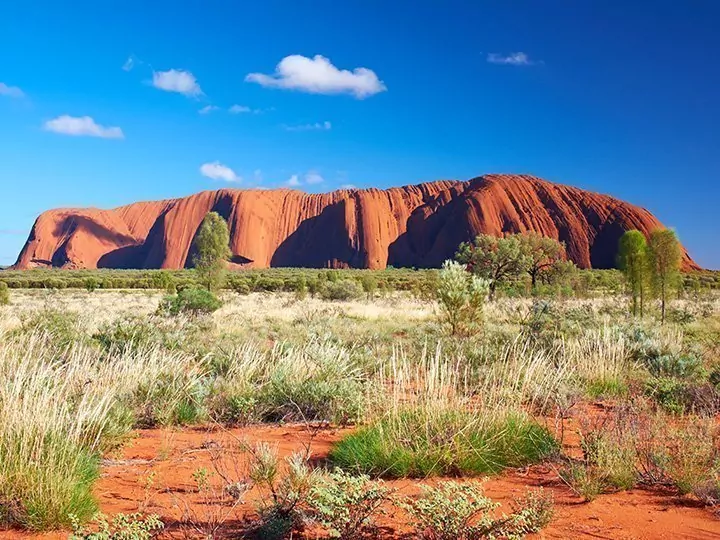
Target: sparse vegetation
[[423, 376]]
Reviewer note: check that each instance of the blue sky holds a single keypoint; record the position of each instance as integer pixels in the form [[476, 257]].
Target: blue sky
[[107, 103]]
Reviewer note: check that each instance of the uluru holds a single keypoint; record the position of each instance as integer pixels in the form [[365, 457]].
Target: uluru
[[412, 226]]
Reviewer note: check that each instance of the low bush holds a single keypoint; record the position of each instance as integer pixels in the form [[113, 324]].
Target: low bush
[[122, 527], [191, 301], [461, 511], [341, 290], [346, 505]]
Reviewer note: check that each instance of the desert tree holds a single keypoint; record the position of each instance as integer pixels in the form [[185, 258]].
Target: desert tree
[[664, 256], [633, 261], [212, 250], [542, 254], [496, 259]]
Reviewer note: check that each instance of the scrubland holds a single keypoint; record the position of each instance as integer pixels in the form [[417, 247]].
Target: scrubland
[[283, 415]]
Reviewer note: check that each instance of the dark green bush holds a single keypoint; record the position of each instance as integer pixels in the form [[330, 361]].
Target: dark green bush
[[345, 289], [191, 301]]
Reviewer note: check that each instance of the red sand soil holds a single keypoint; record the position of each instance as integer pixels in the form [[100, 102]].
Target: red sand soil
[[153, 473], [419, 225]]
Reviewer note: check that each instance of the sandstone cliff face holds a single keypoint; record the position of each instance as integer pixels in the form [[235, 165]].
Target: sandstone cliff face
[[418, 225]]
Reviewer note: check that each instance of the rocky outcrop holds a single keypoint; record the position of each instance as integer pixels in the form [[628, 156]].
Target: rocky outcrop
[[418, 225]]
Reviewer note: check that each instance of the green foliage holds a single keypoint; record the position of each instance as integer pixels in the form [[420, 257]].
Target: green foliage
[[369, 285], [346, 505], [461, 297], [212, 250], [122, 527], [497, 260], [461, 511], [190, 301], [342, 290], [91, 284], [4, 294], [634, 263], [419, 444], [44, 498], [163, 280], [543, 256], [665, 255]]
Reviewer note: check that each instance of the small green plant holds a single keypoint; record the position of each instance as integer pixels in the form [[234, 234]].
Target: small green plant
[[586, 481], [461, 511], [191, 301], [346, 505], [283, 490], [122, 527]]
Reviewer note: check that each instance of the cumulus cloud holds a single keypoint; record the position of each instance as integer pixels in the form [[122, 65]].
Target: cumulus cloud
[[309, 178], [177, 80], [293, 181], [208, 109], [218, 171], [512, 59], [313, 177], [83, 126], [11, 91], [322, 126], [318, 75]]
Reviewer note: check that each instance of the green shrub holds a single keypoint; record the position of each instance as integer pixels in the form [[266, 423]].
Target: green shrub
[[191, 301], [122, 527], [4, 294], [461, 297], [90, 284], [342, 290], [461, 511], [346, 505], [416, 444]]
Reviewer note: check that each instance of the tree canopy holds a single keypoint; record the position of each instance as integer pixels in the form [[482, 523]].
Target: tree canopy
[[212, 250]]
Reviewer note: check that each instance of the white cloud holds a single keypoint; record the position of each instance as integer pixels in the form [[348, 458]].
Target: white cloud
[[318, 75], [313, 177], [11, 91], [240, 109], [218, 171], [323, 126], [129, 64], [208, 109], [177, 80], [82, 126], [512, 59], [293, 181], [348, 186]]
